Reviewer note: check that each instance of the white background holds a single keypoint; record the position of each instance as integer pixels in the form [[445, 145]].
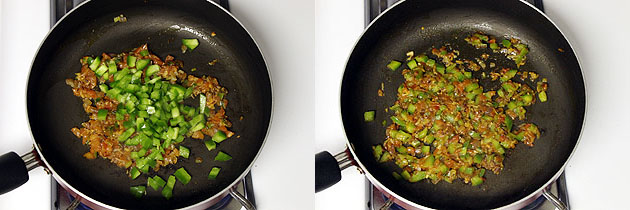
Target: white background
[[597, 175], [282, 175]]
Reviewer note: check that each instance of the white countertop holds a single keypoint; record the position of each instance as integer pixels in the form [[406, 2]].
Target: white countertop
[[596, 174], [282, 174]]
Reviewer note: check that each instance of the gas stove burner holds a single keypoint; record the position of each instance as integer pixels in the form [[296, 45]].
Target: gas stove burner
[[220, 205], [376, 199], [79, 206], [394, 206], [62, 199]]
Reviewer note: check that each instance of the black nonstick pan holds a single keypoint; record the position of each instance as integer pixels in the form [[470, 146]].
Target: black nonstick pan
[[90, 30], [419, 25]]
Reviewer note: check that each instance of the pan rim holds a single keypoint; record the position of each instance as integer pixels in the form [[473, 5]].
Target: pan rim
[[89, 199], [513, 205]]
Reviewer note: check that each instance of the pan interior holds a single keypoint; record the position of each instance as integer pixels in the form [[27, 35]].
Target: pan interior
[[89, 30], [420, 25]]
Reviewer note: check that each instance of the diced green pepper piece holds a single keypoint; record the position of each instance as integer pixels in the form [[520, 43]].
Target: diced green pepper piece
[[405, 175], [411, 108], [152, 70], [184, 152], [386, 157], [190, 43], [412, 64], [475, 180], [426, 149], [377, 151], [210, 145], [157, 182], [171, 133], [466, 170], [144, 52], [423, 133], [214, 172], [429, 161], [542, 96], [125, 135], [417, 176], [182, 175], [396, 175], [102, 114], [440, 68], [175, 112], [202, 103], [112, 67], [508, 123], [134, 173], [200, 126], [171, 181], [167, 192], [422, 58], [506, 43], [219, 136], [397, 121], [393, 65], [401, 149], [527, 98], [140, 64], [131, 61], [101, 70], [138, 191], [368, 116], [429, 139], [103, 87], [196, 120], [494, 46], [478, 158], [95, 63], [222, 156]]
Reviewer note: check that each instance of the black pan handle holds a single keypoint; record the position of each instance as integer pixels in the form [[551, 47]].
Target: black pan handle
[[14, 169], [328, 168]]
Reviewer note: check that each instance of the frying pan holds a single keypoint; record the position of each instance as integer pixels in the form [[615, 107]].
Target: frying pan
[[90, 30], [421, 24]]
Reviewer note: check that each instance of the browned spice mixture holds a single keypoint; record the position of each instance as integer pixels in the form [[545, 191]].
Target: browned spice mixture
[[113, 90]]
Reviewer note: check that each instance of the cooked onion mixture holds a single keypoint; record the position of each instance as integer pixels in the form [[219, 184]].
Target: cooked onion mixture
[[137, 116], [445, 125]]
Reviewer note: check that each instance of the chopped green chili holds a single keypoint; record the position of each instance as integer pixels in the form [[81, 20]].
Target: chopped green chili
[[210, 145], [184, 152], [138, 191], [393, 65], [542, 96], [190, 43], [134, 173], [219, 136], [102, 114], [156, 182], [222, 156], [182, 175], [368, 116], [214, 172]]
